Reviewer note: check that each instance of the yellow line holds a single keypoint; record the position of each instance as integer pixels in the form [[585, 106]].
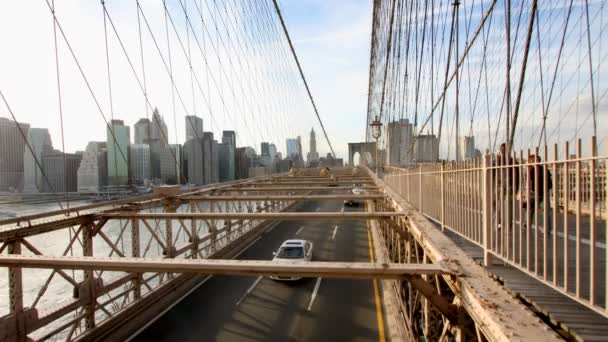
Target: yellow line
[[376, 292]]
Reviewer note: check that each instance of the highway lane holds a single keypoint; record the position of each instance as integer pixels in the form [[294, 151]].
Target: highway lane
[[260, 309]]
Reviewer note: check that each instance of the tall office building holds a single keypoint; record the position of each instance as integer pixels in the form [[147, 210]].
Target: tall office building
[[194, 127], [194, 161], [467, 148], [61, 170], [291, 147], [12, 149], [40, 141], [399, 138], [226, 162], [118, 141], [93, 170], [159, 138], [215, 162], [207, 156], [229, 137], [426, 147], [139, 160], [242, 162], [171, 164], [265, 149], [272, 151], [313, 155], [142, 131]]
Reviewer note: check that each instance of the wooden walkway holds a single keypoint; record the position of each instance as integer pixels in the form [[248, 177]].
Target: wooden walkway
[[566, 314]]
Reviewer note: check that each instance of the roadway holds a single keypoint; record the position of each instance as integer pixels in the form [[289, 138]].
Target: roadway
[[259, 309]]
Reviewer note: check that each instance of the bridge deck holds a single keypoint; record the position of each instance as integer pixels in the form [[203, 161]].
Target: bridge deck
[[564, 312], [260, 309]]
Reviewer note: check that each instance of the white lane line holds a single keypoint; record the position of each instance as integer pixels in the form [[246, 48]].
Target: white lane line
[[333, 236], [150, 322], [255, 283], [314, 293], [299, 230], [319, 208]]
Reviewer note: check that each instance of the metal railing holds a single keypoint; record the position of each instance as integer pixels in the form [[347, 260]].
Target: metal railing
[[543, 214], [57, 304]]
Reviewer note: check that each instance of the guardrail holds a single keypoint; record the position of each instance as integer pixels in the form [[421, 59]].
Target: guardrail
[[545, 216]]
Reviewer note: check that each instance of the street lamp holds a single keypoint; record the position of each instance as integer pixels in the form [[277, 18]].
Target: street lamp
[[376, 132]]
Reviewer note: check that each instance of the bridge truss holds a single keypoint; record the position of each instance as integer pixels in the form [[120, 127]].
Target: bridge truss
[[122, 262]]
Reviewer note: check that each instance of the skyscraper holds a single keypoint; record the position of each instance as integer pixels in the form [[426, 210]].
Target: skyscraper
[[272, 151], [139, 160], [194, 127], [40, 141], [118, 141], [467, 148], [12, 148], [207, 157], [142, 131], [93, 170], [61, 170], [292, 148], [399, 138], [426, 147], [313, 155], [226, 162], [159, 139], [170, 172], [229, 137], [194, 161]]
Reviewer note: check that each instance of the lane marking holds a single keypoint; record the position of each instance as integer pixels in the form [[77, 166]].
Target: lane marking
[[333, 236], [150, 322], [314, 293], [379, 317], [318, 208], [299, 230], [255, 283]]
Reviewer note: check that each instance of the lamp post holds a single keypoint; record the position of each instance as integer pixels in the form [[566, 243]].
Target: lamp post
[[376, 132]]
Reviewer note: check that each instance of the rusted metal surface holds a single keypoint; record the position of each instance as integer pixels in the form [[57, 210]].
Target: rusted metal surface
[[281, 197], [255, 216], [359, 270]]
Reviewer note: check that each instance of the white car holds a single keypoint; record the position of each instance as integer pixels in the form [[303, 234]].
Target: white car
[[353, 202], [292, 251]]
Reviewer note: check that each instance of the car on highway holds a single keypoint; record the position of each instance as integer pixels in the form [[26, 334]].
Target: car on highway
[[353, 202], [292, 251]]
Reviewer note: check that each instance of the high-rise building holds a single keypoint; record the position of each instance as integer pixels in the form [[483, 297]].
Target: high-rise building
[[229, 137], [159, 139], [207, 157], [93, 170], [467, 148], [272, 151], [194, 161], [12, 148], [171, 164], [313, 155], [215, 162], [399, 138], [265, 149], [292, 148], [61, 171], [118, 141], [40, 141], [426, 147], [242, 162], [139, 160], [142, 131], [226, 162], [194, 127]]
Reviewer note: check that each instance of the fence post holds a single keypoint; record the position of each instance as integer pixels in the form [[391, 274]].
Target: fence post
[[486, 196], [420, 206], [442, 174]]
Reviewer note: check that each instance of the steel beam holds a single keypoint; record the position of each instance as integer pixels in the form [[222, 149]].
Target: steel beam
[[295, 188], [255, 216], [357, 270], [281, 197]]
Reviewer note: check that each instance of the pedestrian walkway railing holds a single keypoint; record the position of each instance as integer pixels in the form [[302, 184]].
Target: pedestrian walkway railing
[[543, 213]]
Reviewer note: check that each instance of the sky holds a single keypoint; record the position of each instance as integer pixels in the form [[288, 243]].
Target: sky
[[331, 38]]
